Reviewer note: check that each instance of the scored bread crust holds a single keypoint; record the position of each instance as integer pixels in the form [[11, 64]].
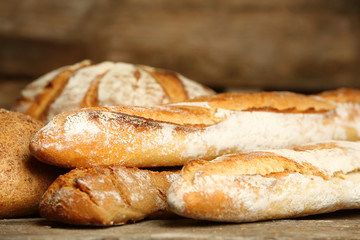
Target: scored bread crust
[[37, 97], [266, 101], [108, 196], [270, 184], [85, 84], [171, 135]]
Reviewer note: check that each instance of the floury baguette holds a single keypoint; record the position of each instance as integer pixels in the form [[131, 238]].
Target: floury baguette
[[258, 185], [205, 128], [107, 196], [270, 184]]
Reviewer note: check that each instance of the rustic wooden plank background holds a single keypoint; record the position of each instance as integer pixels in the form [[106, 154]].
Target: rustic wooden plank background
[[300, 45], [339, 225]]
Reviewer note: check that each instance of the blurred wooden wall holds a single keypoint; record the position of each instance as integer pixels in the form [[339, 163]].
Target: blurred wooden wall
[[297, 45]]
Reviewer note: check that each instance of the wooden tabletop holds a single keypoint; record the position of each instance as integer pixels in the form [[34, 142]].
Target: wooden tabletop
[[339, 225]]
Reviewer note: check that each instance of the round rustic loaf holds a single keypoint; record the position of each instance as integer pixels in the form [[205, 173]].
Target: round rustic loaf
[[104, 84], [23, 179]]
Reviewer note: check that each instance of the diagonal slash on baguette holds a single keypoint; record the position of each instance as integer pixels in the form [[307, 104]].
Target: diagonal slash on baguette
[[107, 196], [205, 128], [259, 185], [270, 184]]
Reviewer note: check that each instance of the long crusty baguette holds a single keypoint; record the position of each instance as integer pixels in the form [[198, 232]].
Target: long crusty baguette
[[107, 196], [271, 184], [204, 128], [107, 83]]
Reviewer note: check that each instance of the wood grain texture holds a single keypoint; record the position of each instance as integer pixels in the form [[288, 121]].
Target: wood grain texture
[[294, 45], [10, 91], [339, 225]]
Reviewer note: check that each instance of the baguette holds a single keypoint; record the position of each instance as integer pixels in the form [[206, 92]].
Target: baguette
[[107, 83], [107, 196], [203, 128], [272, 184]]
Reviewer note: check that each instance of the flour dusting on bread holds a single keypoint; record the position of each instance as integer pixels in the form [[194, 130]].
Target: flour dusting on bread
[[107, 196], [143, 90], [75, 89], [209, 190], [173, 134], [104, 84]]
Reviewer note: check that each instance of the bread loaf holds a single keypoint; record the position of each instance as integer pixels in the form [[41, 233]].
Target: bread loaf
[[23, 179], [271, 184], [87, 85], [203, 128], [107, 196]]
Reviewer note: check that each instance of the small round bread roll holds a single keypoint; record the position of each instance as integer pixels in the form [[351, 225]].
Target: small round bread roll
[[23, 179], [104, 84]]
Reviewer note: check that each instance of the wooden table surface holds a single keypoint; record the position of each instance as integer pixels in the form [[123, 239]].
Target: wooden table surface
[[339, 225]]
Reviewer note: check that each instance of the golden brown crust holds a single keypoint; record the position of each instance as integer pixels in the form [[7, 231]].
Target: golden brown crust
[[257, 162], [170, 135], [341, 95], [23, 179], [317, 146], [144, 86], [270, 184], [183, 114], [107, 196], [91, 96], [173, 87], [269, 101], [131, 131], [38, 109]]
